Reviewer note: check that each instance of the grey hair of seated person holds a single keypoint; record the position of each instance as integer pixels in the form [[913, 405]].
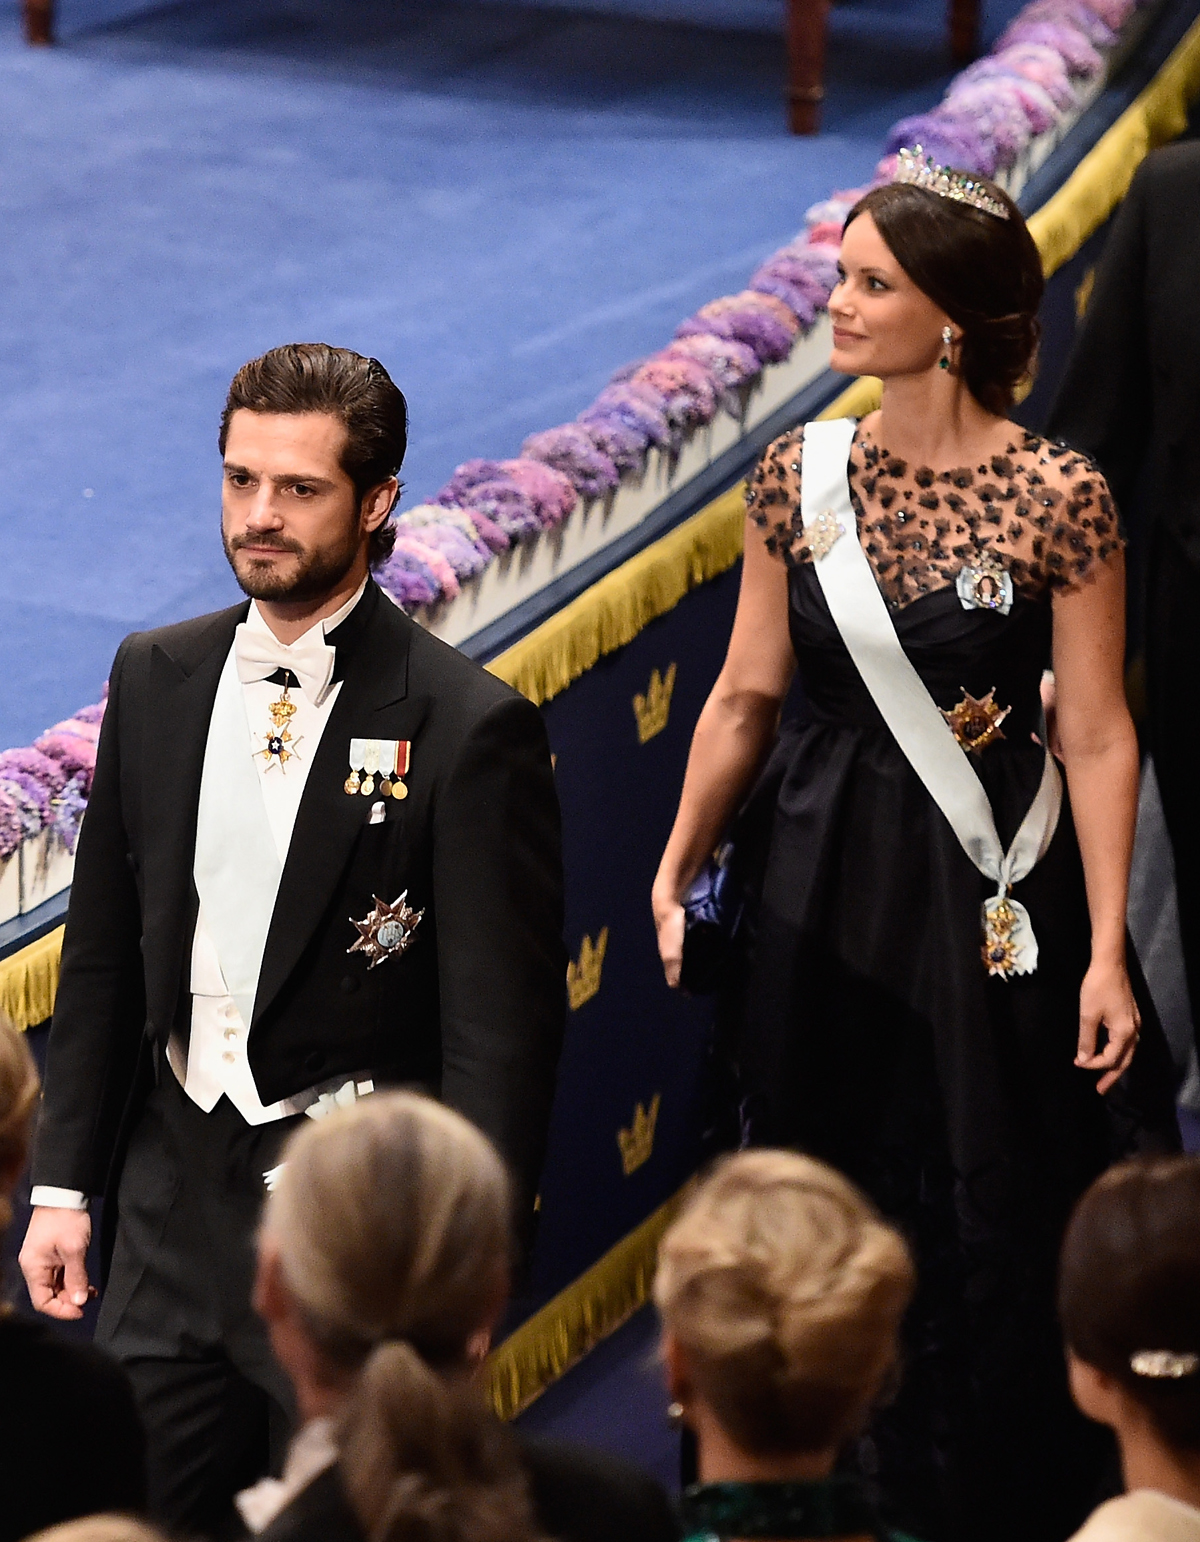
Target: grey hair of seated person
[[391, 1221]]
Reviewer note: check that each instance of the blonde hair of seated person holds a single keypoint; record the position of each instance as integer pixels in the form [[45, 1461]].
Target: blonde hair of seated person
[[100, 1528], [19, 1089], [781, 1292], [390, 1222]]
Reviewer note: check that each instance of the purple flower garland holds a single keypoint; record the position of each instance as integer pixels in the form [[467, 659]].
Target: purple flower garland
[[991, 113], [45, 787]]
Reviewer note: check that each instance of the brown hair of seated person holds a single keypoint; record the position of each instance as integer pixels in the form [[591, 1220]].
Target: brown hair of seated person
[[383, 1268], [1129, 1301], [19, 1090], [781, 1292]]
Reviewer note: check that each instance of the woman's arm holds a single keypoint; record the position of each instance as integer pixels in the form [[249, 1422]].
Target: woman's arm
[[1100, 753], [732, 738]]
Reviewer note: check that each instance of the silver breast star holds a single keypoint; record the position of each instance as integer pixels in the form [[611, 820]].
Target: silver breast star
[[386, 931]]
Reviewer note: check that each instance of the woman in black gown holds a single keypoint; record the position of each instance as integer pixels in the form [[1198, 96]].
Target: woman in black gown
[[973, 1107]]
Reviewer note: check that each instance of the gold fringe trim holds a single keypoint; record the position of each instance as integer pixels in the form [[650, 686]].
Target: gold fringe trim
[[613, 611], [29, 980], [1102, 178], [588, 1310]]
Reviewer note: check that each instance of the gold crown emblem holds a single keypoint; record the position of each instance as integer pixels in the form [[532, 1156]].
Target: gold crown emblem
[[583, 977], [920, 170], [1083, 294], [653, 709], [637, 1143]]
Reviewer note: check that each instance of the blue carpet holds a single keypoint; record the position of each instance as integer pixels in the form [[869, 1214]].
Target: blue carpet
[[503, 201], [615, 1400]]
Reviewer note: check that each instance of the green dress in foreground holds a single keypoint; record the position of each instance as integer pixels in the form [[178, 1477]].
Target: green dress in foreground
[[829, 1507]]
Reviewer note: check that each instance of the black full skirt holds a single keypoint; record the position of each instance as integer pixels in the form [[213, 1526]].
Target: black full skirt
[[869, 1033]]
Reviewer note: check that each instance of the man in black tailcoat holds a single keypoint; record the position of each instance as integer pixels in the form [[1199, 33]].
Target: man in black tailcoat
[[1131, 398], [321, 855]]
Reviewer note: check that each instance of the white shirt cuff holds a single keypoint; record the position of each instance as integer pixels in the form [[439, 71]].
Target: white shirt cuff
[[57, 1199]]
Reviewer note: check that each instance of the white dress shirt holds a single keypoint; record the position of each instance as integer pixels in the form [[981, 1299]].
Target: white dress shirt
[[213, 1061]]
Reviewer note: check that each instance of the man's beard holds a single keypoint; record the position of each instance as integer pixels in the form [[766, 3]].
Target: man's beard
[[319, 572]]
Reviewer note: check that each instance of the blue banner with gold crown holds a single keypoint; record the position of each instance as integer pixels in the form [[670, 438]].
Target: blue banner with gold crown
[[626, 1125]]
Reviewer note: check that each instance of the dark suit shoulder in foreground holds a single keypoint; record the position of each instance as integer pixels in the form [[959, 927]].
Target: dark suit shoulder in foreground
[[578, 1496], [53, 1467]]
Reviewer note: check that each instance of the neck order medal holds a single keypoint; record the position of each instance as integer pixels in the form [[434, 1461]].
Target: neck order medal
[[278, 745]]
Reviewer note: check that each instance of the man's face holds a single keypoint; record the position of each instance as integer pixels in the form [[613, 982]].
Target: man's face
[[290, 517]]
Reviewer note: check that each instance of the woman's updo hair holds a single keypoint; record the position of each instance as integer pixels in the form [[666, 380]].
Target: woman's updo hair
[[983, 271], [1129, 1288], [19, 1089], [785, 1289], [391, 1221]]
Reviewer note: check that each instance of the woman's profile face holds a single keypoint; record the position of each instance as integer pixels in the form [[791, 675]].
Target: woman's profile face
[[882, 323]]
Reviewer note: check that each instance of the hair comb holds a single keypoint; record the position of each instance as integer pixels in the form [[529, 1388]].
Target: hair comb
[[917, 169]]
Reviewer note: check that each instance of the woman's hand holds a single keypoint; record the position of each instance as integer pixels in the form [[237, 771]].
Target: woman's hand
[[1107, 997], [668, 923]]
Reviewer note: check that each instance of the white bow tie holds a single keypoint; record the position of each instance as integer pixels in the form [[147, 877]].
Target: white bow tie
[[310, 659]]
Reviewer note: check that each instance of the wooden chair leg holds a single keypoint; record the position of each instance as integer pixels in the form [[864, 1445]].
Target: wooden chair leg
[[963, 21], [806, 63], [39, 21]]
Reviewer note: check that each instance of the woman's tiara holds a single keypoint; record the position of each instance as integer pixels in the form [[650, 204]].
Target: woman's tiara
[[1164, 1364], [921, 170]]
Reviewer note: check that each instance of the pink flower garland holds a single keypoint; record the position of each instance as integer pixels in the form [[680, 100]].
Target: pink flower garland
[[993, 110]]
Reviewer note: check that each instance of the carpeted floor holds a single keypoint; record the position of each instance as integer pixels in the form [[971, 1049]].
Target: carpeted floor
[[502, 201], [615, 1400]]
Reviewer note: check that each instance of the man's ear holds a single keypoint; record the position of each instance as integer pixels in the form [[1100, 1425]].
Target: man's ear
[[271, 1299], [377, 504], [1096, 1393]]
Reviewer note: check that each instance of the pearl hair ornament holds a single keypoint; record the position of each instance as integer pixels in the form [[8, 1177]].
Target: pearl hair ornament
[[1163, 1364]]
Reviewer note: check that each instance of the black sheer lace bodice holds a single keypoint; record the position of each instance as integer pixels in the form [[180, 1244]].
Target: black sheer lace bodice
[[1040, 510]]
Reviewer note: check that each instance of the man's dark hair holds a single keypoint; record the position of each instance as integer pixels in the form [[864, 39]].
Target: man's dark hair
[[314, 377], [1129, 1282]]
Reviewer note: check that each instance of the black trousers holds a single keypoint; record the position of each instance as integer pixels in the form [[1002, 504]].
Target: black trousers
[[176, 1311], [1172, 663]]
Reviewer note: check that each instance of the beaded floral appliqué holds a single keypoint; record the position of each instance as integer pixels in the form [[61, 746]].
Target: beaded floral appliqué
[[1038, 517]]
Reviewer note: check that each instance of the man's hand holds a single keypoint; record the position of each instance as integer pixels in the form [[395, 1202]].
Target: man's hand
[[54, 1261]]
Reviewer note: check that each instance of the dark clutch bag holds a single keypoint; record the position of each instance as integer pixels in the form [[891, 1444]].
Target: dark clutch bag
[[712, 909]]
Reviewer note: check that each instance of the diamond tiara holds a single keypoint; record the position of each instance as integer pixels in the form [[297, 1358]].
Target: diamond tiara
[[921, 170]]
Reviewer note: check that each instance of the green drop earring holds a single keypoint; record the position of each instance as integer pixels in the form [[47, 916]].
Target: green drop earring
[[947, 339]]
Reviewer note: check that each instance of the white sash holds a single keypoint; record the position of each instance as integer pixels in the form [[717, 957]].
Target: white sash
[[236, 866], [858, 609]]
